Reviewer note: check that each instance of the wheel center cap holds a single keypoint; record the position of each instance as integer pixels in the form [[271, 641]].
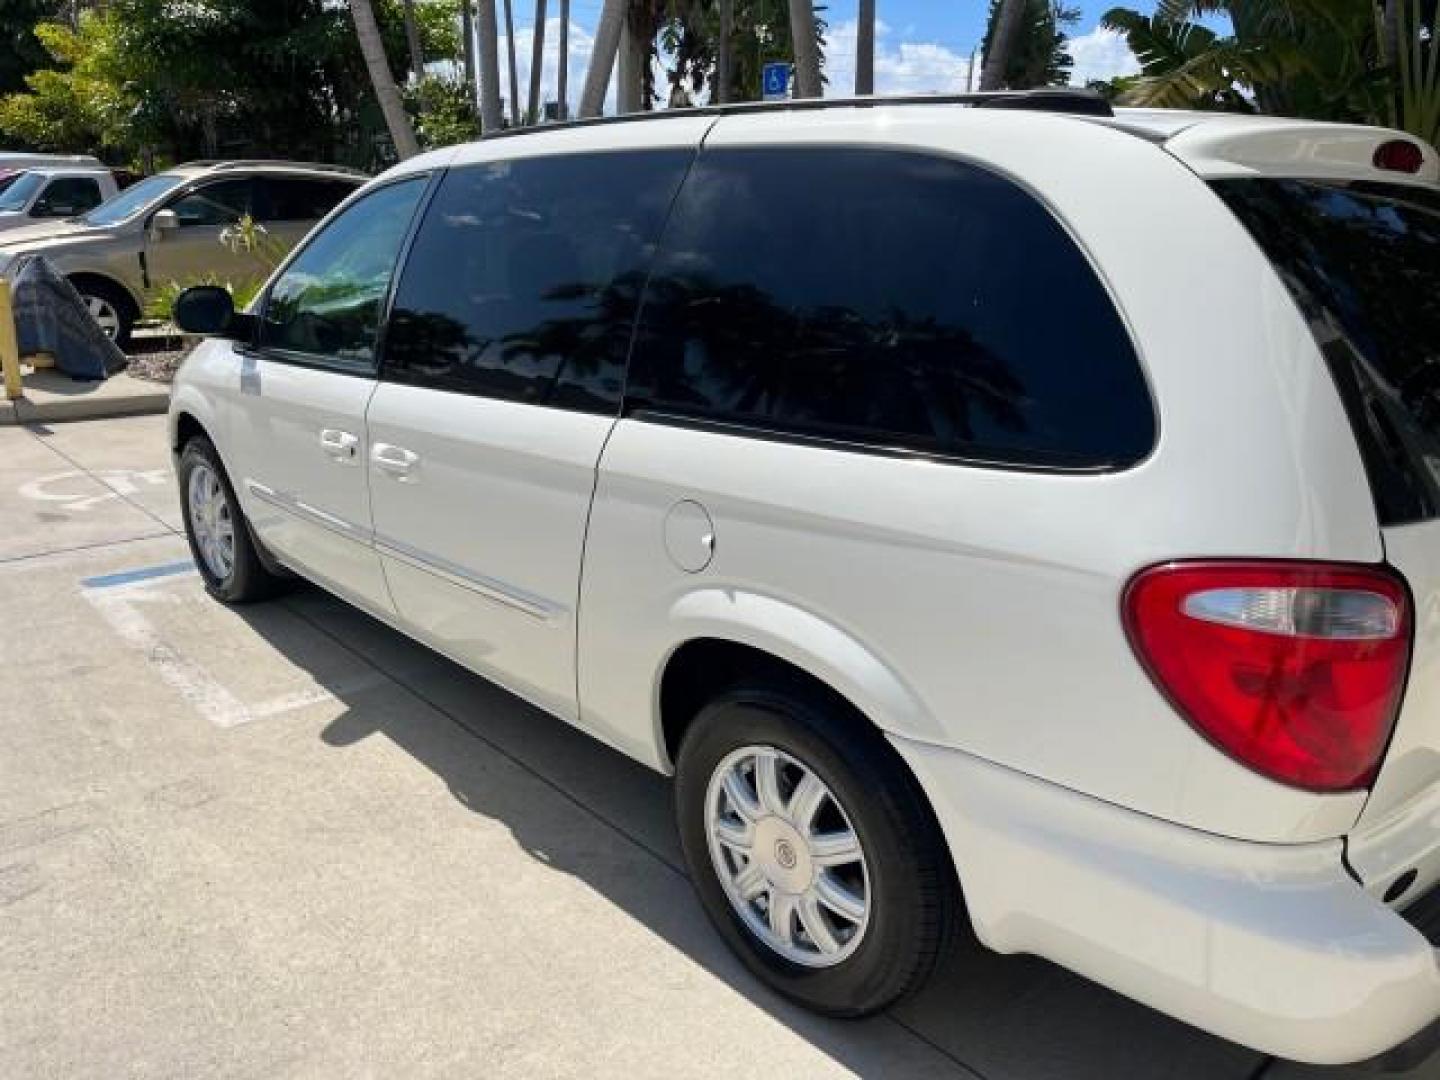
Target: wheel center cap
[[783, 855]]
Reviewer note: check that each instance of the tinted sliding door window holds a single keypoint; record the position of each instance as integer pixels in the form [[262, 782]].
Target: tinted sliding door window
[[325, 308], [890, 300], [524, 277]]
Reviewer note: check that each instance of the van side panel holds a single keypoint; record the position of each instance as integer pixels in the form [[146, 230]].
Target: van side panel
[[992, 595]]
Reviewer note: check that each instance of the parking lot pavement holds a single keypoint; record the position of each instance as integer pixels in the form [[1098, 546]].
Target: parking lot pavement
[[284, 841]]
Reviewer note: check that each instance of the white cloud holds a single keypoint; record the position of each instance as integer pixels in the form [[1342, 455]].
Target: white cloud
[[1101, 54], [901, 66]]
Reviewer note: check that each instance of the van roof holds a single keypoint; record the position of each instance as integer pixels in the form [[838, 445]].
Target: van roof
[[1212, 144]]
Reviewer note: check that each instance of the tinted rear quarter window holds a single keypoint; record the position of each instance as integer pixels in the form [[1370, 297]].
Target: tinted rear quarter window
[[890, 300], [523, 280], [1362, 261]]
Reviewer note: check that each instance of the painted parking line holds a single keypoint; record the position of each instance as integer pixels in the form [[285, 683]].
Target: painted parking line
[[122, 600], [144, 573]]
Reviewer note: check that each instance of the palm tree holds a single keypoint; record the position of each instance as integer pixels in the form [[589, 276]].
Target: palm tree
[[412, 38], [723, 50], [491, 118], [807, 49], [865, 49], [467, 35], [602, 58], [514, 78], [537, 61], [997, 57], [372, 47], [562, 76]]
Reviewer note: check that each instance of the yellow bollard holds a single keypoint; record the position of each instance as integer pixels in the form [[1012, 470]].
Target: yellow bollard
[[9, 347]]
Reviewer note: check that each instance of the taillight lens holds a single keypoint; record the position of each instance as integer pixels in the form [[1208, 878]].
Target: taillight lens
[[1399, 155], [1294, 669]]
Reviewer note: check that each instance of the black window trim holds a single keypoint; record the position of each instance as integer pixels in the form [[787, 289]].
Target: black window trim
[[256, 347], [645, 413], [740, 429]]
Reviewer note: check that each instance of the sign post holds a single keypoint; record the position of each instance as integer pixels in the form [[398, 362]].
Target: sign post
[[775, 81]]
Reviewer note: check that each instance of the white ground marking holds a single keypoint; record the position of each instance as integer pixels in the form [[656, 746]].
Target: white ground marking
[[123, 608], [62, 487]]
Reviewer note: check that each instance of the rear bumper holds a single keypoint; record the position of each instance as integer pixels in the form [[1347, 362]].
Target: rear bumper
[[1273, 946]]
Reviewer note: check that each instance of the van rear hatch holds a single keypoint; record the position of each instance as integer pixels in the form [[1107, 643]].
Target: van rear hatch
[[1361, 256]]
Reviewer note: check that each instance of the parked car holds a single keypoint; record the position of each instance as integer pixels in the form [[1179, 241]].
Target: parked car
[[32, 196], [167, 227], [1023, 517]]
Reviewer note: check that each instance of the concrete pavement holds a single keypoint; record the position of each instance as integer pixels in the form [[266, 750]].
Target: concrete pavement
[[285, 841]]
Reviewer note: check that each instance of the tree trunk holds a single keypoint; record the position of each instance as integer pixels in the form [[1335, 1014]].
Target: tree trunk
[[491, 118], [412, 38], [992, 74], [807, 50], [514, 77], [537, 62], [723, 51], [602, 58], [467, 33], [562, 76], [386, 92], [865, 49], [630, 96]]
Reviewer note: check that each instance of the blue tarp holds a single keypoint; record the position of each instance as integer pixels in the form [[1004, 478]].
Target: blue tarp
[[51, 318]]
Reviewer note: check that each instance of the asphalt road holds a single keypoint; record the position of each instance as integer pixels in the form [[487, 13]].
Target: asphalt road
[[285, 841]]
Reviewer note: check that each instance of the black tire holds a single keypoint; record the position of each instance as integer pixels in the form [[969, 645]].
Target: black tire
[[915, 902], [119, 301], [248, 579]]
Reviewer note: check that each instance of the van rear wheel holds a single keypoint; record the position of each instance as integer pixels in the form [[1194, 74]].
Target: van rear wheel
[[813, 850]]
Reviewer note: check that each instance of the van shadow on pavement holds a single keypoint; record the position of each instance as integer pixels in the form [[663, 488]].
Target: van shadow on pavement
[[998, 1016]]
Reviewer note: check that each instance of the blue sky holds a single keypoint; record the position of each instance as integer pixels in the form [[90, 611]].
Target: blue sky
[[922, 46]]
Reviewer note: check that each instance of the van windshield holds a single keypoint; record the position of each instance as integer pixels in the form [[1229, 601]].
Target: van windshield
[[1362, 260], [132, 200]]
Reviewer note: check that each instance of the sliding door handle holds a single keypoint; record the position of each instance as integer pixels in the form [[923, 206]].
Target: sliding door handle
[[395, 460]]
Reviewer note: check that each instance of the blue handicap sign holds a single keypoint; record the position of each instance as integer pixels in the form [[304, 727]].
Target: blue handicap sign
[[775, 81]]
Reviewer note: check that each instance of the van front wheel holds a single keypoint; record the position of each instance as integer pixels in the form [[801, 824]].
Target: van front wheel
[[813, 851]]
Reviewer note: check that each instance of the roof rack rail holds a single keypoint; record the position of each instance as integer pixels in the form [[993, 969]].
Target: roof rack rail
[[1055, 99], [250, 163]]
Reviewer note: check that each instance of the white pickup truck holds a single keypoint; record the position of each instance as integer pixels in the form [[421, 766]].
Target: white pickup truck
[[33, 195]]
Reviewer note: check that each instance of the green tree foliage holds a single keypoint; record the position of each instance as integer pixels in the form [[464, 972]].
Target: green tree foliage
[[1323, 59], [1038, 55], [443, 110], [201, 78], [687, 34], [21, 52]]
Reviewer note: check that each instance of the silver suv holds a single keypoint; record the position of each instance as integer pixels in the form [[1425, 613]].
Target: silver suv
[[167, 228]]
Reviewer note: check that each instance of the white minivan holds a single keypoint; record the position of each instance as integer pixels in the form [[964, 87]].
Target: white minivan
[[997, 512]]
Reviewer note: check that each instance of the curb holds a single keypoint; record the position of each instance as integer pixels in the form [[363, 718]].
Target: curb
[[56, 398]]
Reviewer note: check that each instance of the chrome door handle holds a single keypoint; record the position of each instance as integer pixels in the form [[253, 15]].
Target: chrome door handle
[[393, 459], [339, 443]]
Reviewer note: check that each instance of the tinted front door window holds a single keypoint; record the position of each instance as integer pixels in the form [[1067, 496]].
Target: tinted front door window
[[523, 280], [887, 299], [327, 304], [222, 203]]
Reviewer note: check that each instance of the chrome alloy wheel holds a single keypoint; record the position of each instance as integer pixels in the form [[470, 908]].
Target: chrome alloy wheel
[[211, 521], [104, 314], [787, 857]]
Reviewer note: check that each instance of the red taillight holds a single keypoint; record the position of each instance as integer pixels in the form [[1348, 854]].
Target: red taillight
[[1398, 155], [1294, 669]]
